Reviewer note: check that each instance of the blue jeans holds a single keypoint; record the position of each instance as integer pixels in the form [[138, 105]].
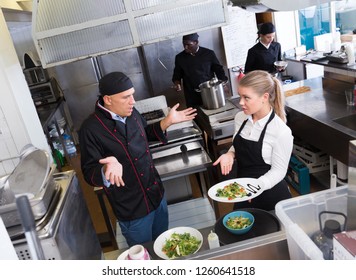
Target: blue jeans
[[147, 228]]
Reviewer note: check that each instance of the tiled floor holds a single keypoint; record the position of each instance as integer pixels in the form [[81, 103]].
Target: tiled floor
[[197, 213]]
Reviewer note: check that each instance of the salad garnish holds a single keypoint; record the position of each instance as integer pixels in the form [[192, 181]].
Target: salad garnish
[[179, 245], [232, 191]]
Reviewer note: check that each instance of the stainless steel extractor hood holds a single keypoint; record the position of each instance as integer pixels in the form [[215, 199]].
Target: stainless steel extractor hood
[[69, 30], [261, 6]]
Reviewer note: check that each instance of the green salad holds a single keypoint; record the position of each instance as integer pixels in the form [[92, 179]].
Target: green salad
[[232, 191], [238, 222], [179, 245]]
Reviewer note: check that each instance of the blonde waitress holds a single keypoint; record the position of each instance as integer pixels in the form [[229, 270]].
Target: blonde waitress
[[262, 143]]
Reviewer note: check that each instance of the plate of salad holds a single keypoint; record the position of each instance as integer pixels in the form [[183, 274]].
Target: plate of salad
[[178, 242], [235, 190]]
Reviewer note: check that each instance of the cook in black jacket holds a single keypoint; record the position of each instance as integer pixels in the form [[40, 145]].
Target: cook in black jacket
[[193, 66], [115, 155], [263, 55]]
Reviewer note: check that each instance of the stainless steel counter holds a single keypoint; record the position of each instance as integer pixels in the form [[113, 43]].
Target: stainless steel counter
[[323, 62], [266, 247], [311, 117]]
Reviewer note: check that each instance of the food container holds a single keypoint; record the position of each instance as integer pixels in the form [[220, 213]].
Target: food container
[[33, 177], [240, 214], [212, 94]]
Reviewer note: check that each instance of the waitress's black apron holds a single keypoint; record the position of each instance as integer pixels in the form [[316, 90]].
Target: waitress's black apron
[[250, 164]]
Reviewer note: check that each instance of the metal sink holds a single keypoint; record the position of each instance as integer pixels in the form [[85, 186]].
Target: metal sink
[[347, 121]]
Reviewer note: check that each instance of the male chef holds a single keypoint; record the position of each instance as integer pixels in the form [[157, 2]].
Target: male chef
[[193, 66], [115, 155]]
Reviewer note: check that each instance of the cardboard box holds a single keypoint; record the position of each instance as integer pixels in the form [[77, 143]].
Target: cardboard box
[[347, 37], [345, 245]]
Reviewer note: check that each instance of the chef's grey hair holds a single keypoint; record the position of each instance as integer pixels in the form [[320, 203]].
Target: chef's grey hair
[[262, 82]]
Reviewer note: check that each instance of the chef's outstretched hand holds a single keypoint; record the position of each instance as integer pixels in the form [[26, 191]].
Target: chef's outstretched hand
[[112, 171], [226, 161], [175, 116]]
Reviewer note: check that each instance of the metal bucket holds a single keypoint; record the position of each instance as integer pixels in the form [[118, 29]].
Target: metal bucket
[[212, 94]]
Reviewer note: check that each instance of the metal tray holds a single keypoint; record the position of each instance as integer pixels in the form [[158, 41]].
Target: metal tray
[[265, 223], [39, 202]]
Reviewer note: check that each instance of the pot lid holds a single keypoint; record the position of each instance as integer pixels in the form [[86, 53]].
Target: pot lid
[[31, 173]]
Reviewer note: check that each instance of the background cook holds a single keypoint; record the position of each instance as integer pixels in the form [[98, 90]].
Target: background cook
[[193, 66], [263, 55]]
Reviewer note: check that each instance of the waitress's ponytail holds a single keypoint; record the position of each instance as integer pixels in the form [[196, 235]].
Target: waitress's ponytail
[[279, 100]]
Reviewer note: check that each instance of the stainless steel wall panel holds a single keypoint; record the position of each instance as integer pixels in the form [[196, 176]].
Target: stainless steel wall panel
[[81, 103], [130, 63], [159, 58], [74, 75]]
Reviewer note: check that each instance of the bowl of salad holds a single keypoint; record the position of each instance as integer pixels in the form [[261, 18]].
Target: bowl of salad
[[238, 222], [178, 242]]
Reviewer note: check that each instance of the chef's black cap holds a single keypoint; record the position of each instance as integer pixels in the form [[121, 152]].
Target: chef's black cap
[[266, 28], [191, 37], [114, 82]]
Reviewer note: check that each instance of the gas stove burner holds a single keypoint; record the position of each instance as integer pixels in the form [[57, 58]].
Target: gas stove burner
[[153, 115]]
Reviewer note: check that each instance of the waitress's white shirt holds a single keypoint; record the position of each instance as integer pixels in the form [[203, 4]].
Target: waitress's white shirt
[[276, 148]]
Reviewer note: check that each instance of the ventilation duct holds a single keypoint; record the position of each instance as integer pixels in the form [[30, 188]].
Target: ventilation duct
[[70, 30], [261, 6]]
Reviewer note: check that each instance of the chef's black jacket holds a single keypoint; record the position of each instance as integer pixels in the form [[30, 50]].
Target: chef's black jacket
[[261, 58], [100, 137], [194, 70]]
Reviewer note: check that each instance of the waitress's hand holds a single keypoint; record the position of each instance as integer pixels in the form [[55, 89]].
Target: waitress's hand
[[113, 171], [226, 161]]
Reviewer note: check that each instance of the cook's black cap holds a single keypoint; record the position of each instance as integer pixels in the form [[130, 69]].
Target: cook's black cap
[[114, 82], [191, 37], [266, 28]]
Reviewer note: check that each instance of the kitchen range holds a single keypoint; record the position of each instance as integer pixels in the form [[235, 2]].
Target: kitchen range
[[218, 123], [183, 155]]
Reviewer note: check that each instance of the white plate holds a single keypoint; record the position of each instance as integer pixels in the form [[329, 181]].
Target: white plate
[[161, 240], [251, 186]]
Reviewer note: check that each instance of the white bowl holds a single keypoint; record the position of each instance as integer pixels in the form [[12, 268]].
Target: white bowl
[[280, 65], [161, 240]]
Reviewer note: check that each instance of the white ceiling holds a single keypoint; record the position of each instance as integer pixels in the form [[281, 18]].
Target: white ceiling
[[18, 14]]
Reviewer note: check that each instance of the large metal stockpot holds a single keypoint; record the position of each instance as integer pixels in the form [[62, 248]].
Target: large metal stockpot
[[33, 177], [212, 94]]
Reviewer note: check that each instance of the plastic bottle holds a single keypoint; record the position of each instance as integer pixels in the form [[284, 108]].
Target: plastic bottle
[[69, 145], [58, 158], [213, 240]]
